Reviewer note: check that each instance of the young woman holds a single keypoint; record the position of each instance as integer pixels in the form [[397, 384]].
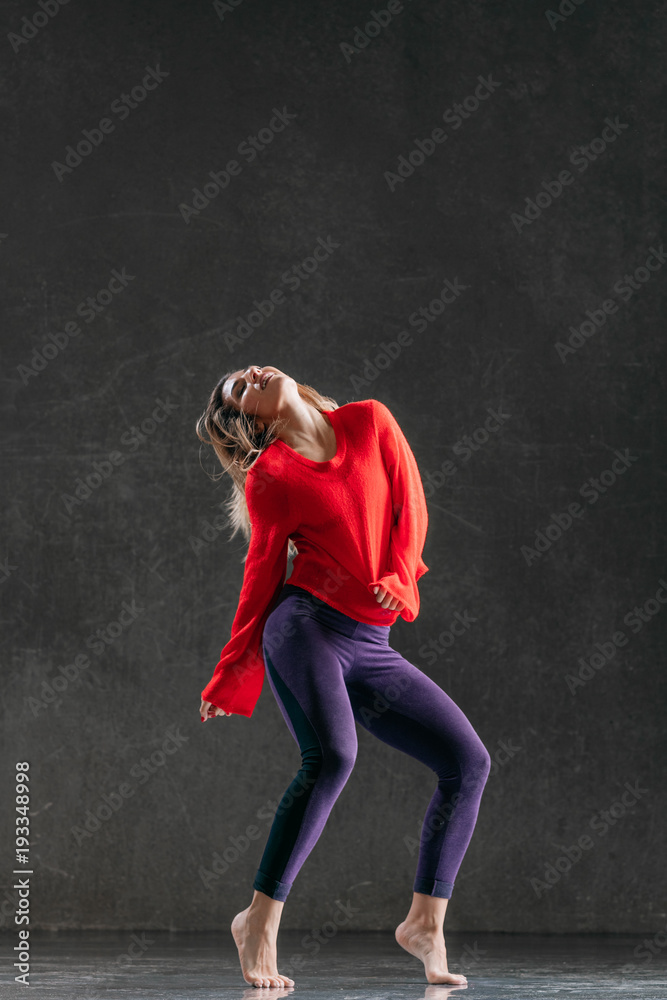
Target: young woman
[[338, 486]]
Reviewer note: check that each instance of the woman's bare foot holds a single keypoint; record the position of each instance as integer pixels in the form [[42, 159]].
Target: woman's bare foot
[[421, 935], [427, 942], [255, 932]]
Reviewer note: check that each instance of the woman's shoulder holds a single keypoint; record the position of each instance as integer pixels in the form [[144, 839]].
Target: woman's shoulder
[[378, 412], [264, 471], [361, 407], [357, 417]]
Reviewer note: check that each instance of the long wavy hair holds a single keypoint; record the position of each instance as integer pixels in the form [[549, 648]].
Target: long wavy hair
[[238, 444]]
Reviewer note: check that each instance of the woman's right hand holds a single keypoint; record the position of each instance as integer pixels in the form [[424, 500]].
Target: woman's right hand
[[383, 597], [209, 711]]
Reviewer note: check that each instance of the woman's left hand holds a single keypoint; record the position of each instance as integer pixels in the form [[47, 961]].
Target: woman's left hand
[[384, 598]]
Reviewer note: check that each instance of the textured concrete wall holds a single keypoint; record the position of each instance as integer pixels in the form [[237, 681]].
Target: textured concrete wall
[[512, 250]]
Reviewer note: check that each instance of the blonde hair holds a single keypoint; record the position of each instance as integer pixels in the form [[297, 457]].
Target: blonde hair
[[238, 444]]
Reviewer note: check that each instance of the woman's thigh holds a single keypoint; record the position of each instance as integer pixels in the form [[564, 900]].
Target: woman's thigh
[[306, 665], [397, 702]]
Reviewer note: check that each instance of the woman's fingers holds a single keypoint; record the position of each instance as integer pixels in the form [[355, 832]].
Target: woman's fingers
[[383, 597], [209, 711]]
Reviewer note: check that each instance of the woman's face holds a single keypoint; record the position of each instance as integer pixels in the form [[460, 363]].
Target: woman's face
[[251, 391]]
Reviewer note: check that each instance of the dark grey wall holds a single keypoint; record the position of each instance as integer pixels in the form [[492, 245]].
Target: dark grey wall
[[148, 538]]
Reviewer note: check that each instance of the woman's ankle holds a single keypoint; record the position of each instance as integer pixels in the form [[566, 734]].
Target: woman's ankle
[[424, 922], [264, 912], [427, 912]]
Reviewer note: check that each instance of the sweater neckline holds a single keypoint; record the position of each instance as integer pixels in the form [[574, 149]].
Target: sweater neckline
[[330, 463]]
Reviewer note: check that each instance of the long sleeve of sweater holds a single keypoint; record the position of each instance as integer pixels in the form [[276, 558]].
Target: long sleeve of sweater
[[404, 564], [239, 674]]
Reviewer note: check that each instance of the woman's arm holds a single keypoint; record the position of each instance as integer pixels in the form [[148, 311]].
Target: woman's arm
[[239, 674], [404, 563]]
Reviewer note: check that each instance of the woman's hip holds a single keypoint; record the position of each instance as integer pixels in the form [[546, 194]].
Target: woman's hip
[[294, 603]]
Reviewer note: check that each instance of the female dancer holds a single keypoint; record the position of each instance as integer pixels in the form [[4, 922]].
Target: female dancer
[[339, 486]]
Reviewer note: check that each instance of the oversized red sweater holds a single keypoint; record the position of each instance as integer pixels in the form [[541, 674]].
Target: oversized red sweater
[[358, 520]]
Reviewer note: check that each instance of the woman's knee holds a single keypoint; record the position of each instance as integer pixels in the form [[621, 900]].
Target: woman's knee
[[473, 764], [339, 759], [478, 761]]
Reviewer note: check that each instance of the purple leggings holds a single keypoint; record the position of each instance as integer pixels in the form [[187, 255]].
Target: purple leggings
[[327, 671]]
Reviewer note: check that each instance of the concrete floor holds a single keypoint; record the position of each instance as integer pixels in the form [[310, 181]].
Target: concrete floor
[[159, 965]]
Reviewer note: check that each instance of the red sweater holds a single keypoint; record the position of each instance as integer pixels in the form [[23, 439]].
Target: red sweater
[[358, 520]]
